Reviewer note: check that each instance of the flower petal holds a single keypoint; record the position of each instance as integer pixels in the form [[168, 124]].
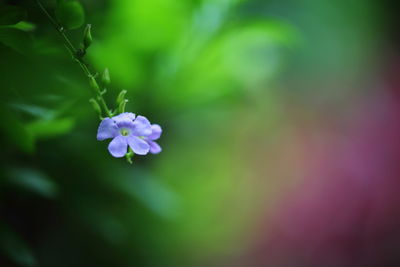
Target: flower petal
[[107, 129], [124, 120], [154, 147], [118, 147], [139, 146], [124, 116], [155, 132], [142, 126]]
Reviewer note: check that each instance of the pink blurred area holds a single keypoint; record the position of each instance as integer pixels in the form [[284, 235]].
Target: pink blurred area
[[345, 211]]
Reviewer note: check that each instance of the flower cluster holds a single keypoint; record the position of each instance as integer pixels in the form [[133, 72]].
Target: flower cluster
[[128, 130]]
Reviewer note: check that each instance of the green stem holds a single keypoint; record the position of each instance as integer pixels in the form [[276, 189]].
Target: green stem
[[74, 52], [104, 105], [129, 155]]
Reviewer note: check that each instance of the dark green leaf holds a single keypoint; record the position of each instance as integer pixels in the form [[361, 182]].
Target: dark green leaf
[[15, 132], [33, 110], [70, 14], [10, 15], [15, 248], [24, 26], [16, 39], [31, 180]]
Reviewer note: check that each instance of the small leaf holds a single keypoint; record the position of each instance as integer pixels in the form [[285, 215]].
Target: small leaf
[[10, 15], [70, 14]]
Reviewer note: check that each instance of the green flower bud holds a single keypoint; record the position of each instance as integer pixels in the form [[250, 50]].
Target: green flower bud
[[121, 107], [95, 106], [121, 97], [105, 77], [94, 84], [87, 36]]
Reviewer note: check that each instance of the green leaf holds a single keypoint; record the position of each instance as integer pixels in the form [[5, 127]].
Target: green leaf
[[50, 128], [31, 180], [24, 26], [12, 245], [33, 110], [70, 14], [18, 40], [10, 15]]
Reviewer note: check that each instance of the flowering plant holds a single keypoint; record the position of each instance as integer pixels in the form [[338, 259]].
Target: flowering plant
[[130, 134]]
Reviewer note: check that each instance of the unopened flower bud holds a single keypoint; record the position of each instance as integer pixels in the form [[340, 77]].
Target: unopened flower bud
[[95, 106], [87, 36], [93, 83], [121, 97], [105, 77], [121, 107]]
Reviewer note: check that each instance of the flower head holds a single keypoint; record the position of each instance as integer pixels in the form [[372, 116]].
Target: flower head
[[126, 129]]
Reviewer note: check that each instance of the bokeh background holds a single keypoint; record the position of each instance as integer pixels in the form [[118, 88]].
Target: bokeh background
[[281, 142]]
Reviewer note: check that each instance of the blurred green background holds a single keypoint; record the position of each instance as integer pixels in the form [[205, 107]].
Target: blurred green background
[[228, 80]]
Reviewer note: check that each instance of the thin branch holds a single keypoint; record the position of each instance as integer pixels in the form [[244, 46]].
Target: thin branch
[[78, 58]]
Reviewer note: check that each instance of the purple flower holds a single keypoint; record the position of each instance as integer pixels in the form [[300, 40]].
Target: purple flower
[[128, 130], [155, 134]]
